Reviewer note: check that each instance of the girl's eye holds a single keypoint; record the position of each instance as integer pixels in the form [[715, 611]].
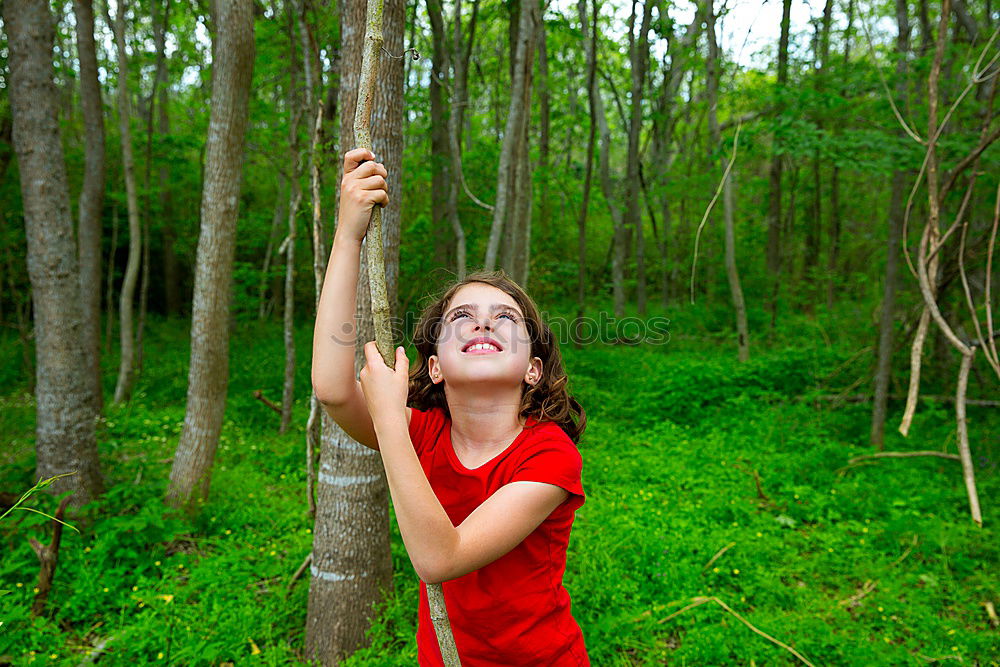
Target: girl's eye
[[458, 314], [510, 316]]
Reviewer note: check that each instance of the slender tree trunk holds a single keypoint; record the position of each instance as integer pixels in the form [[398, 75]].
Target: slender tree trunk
[[639, 57], [351, 559], [126, 366], [735, 289], [883, 371], [590, 47], [513, 133], [91, 195], [461, 50], [208, 378], [276, 216], [440, 160], [296, 106], [607, 186], [774, 218], [65, 441], [544, 122], [110, 287]]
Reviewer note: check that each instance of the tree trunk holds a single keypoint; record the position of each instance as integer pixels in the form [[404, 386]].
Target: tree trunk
[[544, 122], [883, 371], [517, 113], [296, 106], [208, 377], [590, 47], [91, 195], [351, 559], [440, 160], [618, 238], [265, 270], [461, 50], [774, 218], [65, 439], [126, 366], [735, 289], [639, 57]]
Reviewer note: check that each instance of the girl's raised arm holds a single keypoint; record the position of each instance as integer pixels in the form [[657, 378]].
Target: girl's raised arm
[[363, 186]]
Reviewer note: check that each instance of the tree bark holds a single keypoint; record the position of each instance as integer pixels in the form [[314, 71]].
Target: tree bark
[[91, 195], [65, 414], [735, 289], [639, 58], [883, 371], [517, 113], [460, 52], [126, 365], [296, 106], [607, 186], [440, 159], [590, 48], [351, 558], [208, 377], [774, 218]]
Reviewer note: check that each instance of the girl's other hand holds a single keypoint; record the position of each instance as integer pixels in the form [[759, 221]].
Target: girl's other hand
[[385, 389], [363, 186]]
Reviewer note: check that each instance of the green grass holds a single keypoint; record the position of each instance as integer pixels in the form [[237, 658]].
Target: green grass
[[676, 436]]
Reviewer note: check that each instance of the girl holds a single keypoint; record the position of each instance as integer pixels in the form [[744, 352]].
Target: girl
[[483, 470]]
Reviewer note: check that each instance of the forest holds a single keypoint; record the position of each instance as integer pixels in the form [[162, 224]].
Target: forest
[[763, 234]]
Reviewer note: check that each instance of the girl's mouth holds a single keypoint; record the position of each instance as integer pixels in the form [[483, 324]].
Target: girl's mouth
[[482, 345]]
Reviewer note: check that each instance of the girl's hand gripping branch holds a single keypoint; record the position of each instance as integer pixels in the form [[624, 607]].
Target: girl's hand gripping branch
[[385, 389], [362, 187]]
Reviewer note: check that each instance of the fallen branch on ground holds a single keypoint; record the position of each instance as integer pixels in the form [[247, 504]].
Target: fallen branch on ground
[[700, 600], [904, 455], [259, 395]]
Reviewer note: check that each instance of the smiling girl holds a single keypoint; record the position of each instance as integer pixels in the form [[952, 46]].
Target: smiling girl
[[478, 442]]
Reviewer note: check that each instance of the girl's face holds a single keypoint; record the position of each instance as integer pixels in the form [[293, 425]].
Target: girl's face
[[483, 339]]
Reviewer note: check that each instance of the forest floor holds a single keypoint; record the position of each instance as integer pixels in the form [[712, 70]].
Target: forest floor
[[707, 481]]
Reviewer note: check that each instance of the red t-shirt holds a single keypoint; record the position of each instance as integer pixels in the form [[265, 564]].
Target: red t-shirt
[[514, 611]]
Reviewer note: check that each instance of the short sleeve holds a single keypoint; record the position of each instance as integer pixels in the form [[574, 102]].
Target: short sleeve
[[555, 462], [425, 427], [418, 425]]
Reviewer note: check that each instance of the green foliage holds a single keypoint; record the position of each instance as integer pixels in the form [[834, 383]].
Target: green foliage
[[677, 434]]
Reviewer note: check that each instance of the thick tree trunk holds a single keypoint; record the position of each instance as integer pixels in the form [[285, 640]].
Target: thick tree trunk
[[883, 371], [735, 289], [517, 113], [639, 57], [64, 385], [126, 335], [351, 560], [208, 377], [91, 195]]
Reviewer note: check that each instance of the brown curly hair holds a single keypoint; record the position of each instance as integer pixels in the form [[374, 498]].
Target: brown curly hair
[[546, 400]]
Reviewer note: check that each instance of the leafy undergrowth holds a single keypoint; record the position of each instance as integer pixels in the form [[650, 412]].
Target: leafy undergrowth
[[705, 478]]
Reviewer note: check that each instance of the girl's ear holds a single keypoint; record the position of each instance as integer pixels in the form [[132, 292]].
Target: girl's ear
[[434, 369], [534, 373]]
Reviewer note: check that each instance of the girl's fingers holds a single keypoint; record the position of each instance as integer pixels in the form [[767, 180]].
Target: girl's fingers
[[372, 183], [370, 169], [356, 157]]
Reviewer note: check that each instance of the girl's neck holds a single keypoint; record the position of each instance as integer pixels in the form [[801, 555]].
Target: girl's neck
[[484, 423]]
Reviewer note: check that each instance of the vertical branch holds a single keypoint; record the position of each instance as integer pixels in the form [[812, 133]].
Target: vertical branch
[[376, 276]]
